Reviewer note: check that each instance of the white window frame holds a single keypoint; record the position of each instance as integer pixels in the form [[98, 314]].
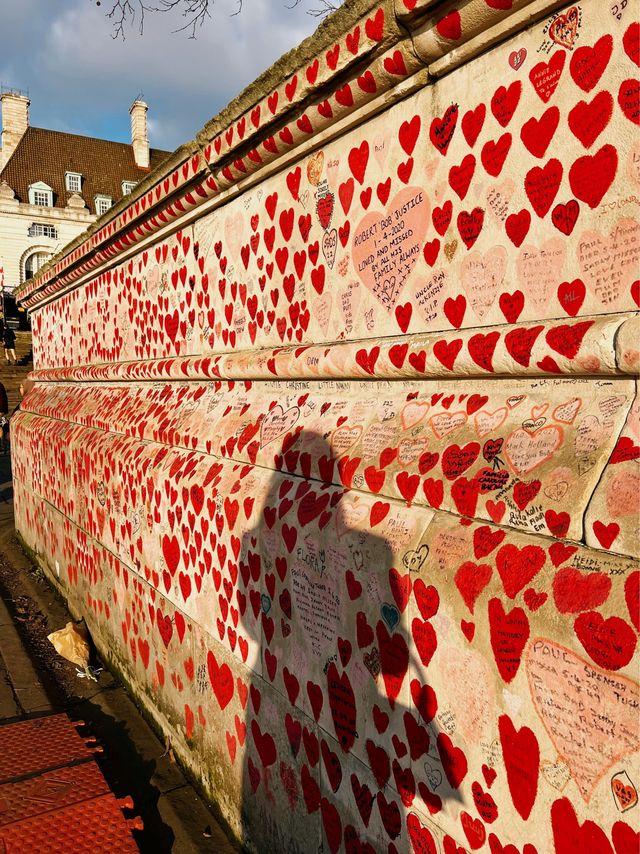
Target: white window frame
[[41, 195], [128, 187], [34, 250], [73, 182], [103, 203], [42, 229]]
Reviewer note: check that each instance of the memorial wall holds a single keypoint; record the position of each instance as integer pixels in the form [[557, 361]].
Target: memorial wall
[[334, 438]]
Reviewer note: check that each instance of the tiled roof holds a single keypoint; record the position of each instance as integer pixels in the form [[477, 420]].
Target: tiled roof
[[45, 155]]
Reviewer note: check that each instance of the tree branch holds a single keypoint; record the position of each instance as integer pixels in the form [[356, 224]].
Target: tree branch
[[326, 8], [123, 13], [195, 12]]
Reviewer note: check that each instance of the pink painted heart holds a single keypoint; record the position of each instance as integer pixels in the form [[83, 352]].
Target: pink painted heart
[[386, 247], [539, 270], [607, 267], [526, 451], [561, 681], [482, 277]]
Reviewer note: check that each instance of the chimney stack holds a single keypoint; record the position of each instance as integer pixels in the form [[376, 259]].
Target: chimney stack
[[139, 136], [15, 121]]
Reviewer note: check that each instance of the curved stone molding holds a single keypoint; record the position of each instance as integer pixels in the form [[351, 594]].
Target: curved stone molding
[[539, 350]]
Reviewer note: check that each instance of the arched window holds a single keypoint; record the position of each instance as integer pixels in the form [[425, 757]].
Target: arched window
[[33, 262]]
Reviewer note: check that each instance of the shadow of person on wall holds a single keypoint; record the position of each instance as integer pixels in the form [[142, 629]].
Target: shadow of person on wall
[[340, 718]]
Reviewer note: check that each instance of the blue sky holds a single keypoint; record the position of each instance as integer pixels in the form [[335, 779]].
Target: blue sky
[[83, 81]]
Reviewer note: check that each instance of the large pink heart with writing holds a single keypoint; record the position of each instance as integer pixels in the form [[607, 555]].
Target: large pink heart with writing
[[386, 246], [233, 231], [482, 275], [352, 515], [590, 717], [539, 270], [525, 451], [608, 264]]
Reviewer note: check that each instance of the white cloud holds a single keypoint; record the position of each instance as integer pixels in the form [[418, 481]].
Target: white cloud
[[82, 80]]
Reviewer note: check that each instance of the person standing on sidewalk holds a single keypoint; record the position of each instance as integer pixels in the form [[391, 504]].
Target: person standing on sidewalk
[[9, 344]]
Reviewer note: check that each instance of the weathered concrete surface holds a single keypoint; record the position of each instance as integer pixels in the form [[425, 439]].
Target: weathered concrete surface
[[335, 436]]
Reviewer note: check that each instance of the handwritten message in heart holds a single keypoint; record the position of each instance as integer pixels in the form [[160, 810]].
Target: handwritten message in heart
[[353, 515], [539, 269], [482, 275], [607, 263], [525, 451], [317, 607], [591, 718], [277, 422], [387, 246]]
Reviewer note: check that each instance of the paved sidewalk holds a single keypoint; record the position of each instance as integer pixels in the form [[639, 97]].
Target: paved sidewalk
[[34, 681], [21, 692], [53, 797]]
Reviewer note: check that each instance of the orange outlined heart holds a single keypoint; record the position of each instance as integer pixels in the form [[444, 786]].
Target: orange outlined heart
[[566, 412]]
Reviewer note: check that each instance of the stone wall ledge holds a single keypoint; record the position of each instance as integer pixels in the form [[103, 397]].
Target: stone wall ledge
[[602, 346], [550, 526], [506, 435]]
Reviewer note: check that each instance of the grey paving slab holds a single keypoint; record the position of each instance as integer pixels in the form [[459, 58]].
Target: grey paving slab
[[19, 670], [199, 833], [8, 705]]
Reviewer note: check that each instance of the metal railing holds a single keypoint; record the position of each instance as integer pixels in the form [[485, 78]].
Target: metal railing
[[6, 89]]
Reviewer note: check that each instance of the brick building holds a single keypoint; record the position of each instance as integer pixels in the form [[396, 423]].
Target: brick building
[[53, 185]]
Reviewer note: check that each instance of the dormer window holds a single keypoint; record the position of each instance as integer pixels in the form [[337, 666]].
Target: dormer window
[[73, 182], [127, 187], [103, 203], [41, 194]]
